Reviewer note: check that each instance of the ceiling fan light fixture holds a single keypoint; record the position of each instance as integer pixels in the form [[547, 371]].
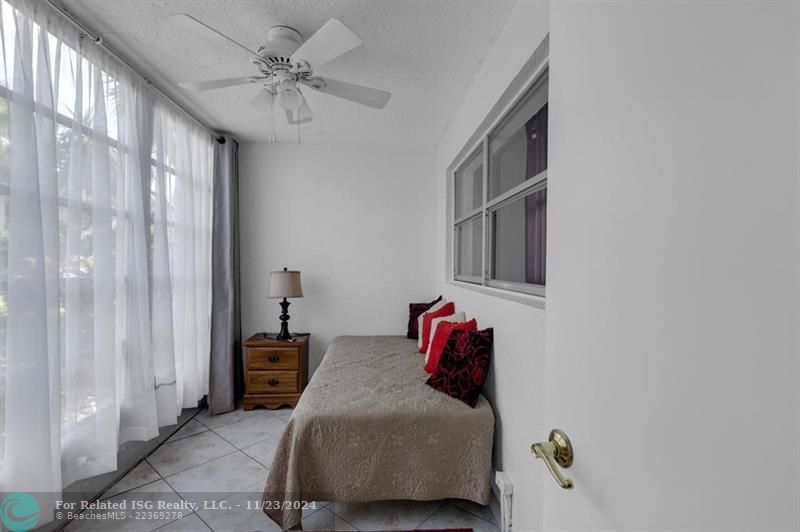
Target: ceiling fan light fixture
[[263, 100], [289, 96]]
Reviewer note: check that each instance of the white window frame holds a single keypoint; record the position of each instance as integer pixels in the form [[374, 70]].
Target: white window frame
[[530, 75]]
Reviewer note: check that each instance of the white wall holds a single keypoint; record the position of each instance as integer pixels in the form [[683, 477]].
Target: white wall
[[357, 221], [516, 387], [672, 312]]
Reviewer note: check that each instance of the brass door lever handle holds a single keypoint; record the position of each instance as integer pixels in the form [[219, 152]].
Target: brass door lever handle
[[556, 453]]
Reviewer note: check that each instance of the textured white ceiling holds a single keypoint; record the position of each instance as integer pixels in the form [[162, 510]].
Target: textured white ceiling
[[425, 52]]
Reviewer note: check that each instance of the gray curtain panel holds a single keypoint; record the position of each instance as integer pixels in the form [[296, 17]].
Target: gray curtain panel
[[226, 380]]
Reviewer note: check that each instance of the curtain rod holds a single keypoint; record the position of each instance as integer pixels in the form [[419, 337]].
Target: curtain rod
[[99, 42]]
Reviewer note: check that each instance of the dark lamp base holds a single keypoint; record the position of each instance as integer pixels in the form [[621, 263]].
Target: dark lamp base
[[284, 334]]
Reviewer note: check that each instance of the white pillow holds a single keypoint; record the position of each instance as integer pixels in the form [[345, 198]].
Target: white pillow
[[437, 306], [458, 317]]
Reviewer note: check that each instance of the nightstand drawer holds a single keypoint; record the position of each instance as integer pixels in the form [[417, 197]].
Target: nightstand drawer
[[273, 382], [272, 358]]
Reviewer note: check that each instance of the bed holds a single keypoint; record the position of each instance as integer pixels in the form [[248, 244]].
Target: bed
[[368, 428]]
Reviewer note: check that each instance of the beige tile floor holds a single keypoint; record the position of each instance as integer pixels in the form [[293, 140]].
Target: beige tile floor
[[220, 463]]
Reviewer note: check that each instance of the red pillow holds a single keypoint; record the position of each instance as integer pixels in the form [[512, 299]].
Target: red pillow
[[440, 337], [427, 318], [464, 365]]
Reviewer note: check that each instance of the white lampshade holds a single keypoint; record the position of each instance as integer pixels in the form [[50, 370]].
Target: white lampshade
[[285, 284], [289, 96], [263, 100]]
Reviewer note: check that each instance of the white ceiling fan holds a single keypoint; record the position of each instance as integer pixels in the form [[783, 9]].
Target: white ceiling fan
[[285, 62]]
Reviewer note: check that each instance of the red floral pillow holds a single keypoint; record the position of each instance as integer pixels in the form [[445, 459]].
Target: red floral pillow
[[425, 334], [440, 337], [463, 365], [414, 312]]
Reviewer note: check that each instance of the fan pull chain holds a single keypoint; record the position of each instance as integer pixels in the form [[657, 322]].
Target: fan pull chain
[[274, 137], [298, 128]]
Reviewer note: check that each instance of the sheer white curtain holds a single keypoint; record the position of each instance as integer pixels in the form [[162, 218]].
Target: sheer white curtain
[[182, 173], [105, 230]]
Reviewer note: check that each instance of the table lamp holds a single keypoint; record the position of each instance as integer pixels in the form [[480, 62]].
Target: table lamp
[[284, 284]]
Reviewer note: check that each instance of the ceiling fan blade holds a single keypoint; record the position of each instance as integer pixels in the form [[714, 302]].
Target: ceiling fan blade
[[303, 115], [202, 86], [187, 21], [263, 100], [331, 40], [350, 91]]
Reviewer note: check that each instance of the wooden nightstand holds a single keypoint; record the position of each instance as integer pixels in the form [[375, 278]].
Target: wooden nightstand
[[276, 371]]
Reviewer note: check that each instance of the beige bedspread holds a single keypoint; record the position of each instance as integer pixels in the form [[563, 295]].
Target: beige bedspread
[[368, 428]]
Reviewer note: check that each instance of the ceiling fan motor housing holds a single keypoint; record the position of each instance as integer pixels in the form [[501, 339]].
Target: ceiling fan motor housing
[[281, 43]]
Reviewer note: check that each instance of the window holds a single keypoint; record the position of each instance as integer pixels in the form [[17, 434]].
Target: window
[[468, 186], [500, 201]]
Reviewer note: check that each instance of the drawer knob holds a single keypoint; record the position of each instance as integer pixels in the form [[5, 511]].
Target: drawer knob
[[274, 358], [273, 382]]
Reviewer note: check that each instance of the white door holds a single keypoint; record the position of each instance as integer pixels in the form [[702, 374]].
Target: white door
[[672, 301]]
